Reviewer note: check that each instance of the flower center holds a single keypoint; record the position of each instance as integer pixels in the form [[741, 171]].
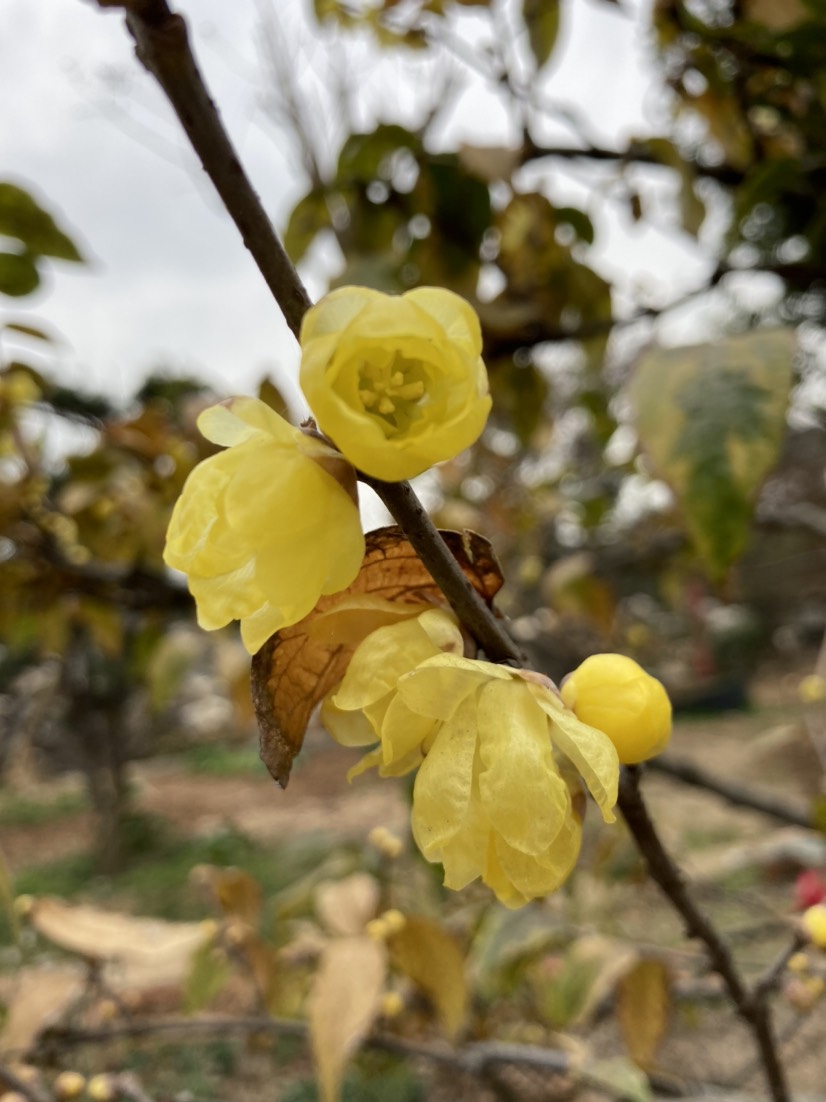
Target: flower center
[[392, 387]]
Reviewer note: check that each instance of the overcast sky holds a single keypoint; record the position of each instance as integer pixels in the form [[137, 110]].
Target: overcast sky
[[169, 282]]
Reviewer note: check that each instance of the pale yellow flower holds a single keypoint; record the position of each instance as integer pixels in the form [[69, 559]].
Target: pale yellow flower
[[397, 381], [489, 799], [262, 530], [614, 694]]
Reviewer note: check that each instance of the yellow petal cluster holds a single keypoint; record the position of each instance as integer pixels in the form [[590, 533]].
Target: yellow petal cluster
[[262, 530], [614, 694], [491, 797], [396, 381]]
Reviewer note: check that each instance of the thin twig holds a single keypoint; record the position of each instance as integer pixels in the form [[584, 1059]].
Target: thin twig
[[737, 794], [473, 1059], [767, 984], [752, 1006], [162, 46]]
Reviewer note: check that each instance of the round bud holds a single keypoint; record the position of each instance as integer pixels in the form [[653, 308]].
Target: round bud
[[614, 694]]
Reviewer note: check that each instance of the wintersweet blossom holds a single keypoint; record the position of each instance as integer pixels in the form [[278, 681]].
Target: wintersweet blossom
[[614, 694], [493, 793], [262, 529], [397, 381]]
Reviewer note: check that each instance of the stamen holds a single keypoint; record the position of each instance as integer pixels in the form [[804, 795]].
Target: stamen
[[411, 392], [386, 406], [368, 397]]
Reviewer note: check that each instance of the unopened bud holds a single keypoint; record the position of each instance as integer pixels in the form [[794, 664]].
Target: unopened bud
[[101, 1088], [814, 925], [69, 1084], [388, 844], [392, 1004]]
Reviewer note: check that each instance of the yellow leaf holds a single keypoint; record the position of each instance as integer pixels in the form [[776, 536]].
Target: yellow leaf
[[643, 1003], [344, 1003], [137, 952], [432, 958], [39, 998], [346, 906]]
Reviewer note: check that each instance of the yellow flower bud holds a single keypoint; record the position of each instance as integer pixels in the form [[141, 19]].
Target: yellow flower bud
[[387, 843], [814, 925], [392, 1004], [261, 530], [69, 1084], [614, 694], [812, 689], [394, 921], [397, 381], [377, 929], [798, 963], [101, 1088]]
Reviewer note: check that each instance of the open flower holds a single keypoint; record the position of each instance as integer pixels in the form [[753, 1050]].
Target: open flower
[[614, 694], [492, 795], [262, 530], [396, 381]]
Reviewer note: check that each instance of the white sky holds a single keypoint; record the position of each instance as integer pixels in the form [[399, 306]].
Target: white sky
[[169, 281]]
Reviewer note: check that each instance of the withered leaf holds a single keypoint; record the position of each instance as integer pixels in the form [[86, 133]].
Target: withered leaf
[[300, 664], [643, 1005]]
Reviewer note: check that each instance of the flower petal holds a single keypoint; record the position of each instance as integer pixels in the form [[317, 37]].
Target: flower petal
[[589, 750], [522, 792], [441, 794]]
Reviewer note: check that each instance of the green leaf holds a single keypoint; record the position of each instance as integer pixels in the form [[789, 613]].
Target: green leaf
[[711, 417], [542, 20], [18, 274], [309, 216], [24, 219], [366, 157], [209, 972]]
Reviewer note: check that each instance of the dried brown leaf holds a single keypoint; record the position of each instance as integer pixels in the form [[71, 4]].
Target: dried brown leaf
[[344, 1003], [299, 665], [643, 1004]]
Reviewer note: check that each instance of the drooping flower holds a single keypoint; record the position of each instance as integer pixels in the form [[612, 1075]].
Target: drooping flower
[[492, 797], [396, 381], [614, 694], [262, 530]]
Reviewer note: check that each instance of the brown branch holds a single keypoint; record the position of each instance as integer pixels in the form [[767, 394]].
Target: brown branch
[[162, 45], [738, 794], [751, 1005], [472, 611]]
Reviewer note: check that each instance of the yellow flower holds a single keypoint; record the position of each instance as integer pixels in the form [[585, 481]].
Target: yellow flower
[[396, 381], [490, 798], [261, 529], [615, 694]]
